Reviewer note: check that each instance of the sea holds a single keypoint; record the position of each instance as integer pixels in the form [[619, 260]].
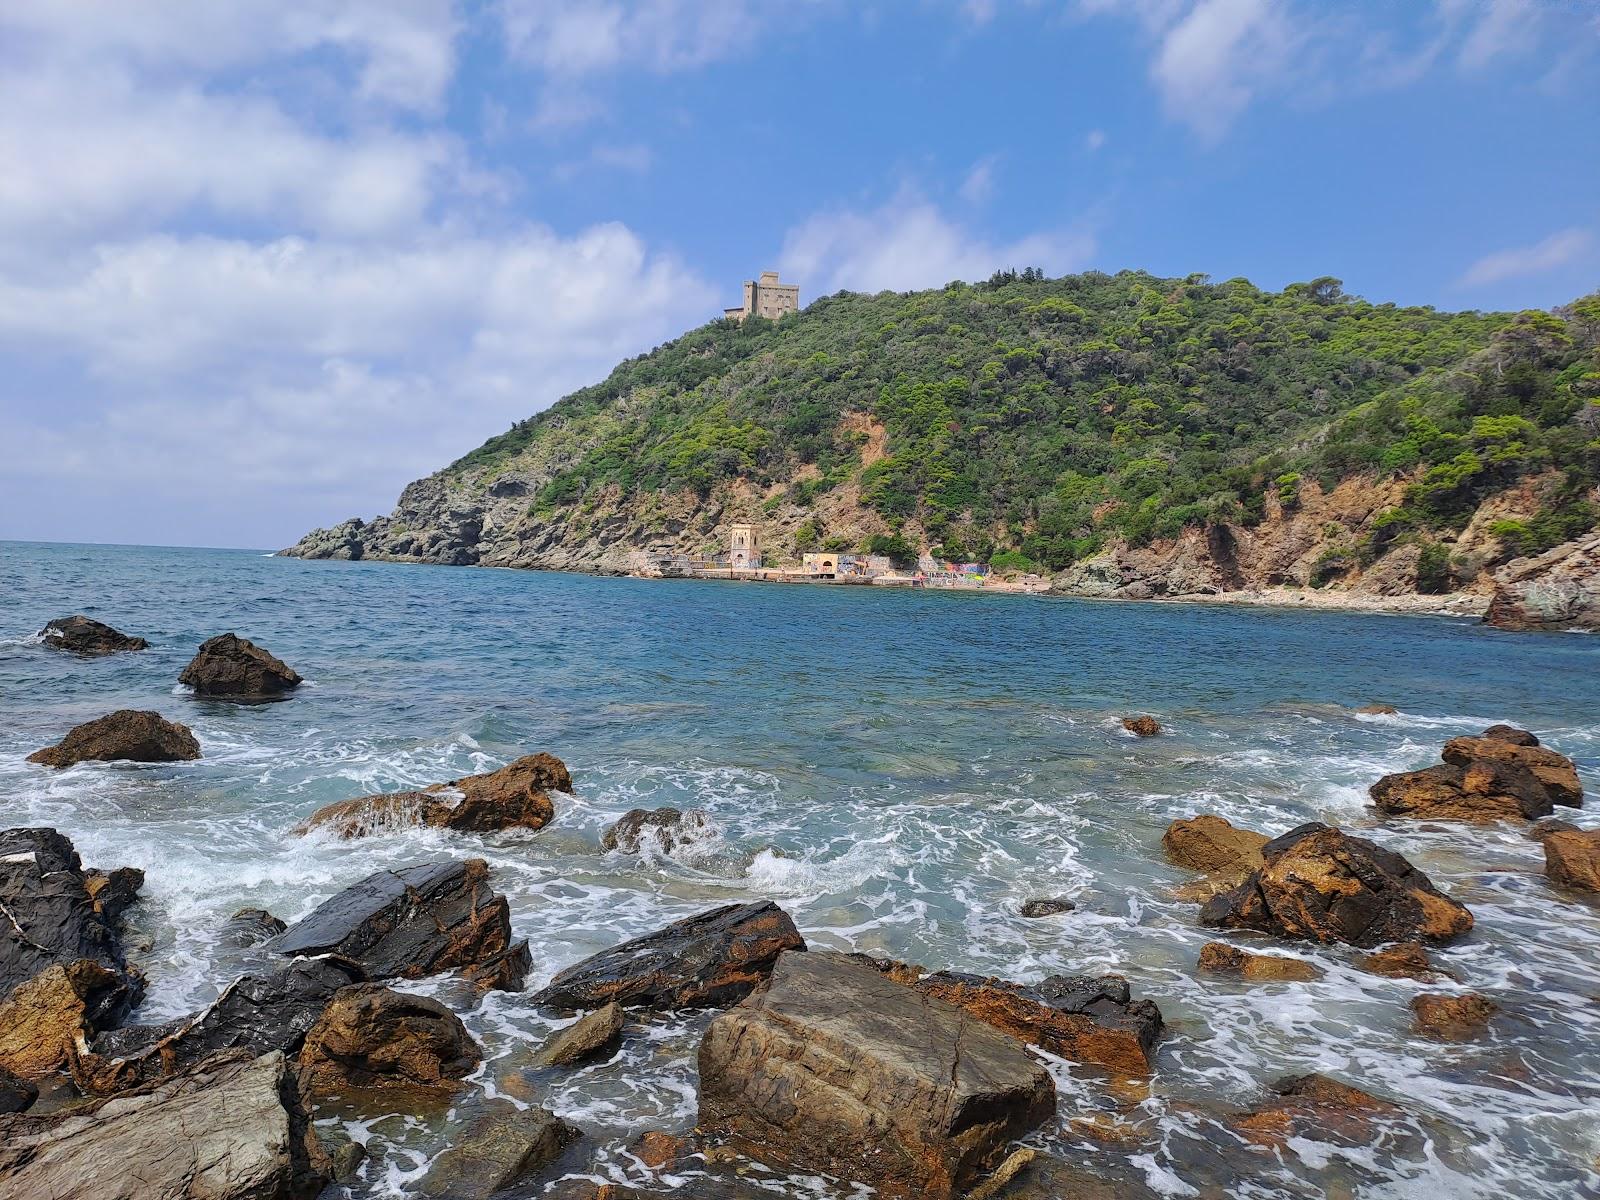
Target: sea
[[899, 770]]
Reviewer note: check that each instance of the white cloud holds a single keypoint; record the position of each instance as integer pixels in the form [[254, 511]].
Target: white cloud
[[1094, 139], [1556, 251], [633, 158], [908, 243], [565, 37], [978, 185]]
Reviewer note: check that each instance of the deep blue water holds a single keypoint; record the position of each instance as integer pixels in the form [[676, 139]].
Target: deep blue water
[[898, 769]]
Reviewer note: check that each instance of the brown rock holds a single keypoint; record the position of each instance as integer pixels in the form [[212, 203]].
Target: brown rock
[[1317, 1107], [1572, 859], [1556, 772], [591, 1034], [1539, 830], [229, 667], [516, 796], [1378, 710], [503, 1146], [837, 1069], [1323, 885], [1559, 589], [1510, 733], [371, 1037], [44, 1020], [111, 892], [125, 735], [1452, 1018], [656, 1149], [88, 637], [1210, 844], [1256, 968], [1144, 726], [1503, 774], [1403, 960], [664, 829]]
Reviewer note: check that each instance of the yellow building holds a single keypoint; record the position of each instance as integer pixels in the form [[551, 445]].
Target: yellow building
[[820, 563], [766, 297]]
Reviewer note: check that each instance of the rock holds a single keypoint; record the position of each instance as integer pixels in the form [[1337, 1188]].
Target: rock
[[1452, 1018], [43, 1020], [230, 1128], [112, 892], [1144, 726], [1093, 1020], [1539, 830], [16, 1093], [661, 829], [414, 922], [589, 1036], [254, 1013], [372, 1037], [657, 1149], [346, 1161], [251, 927], [514, 797], [1572, 859], [1504, 773], [501, 1148], [1256, 968], [229, 667], [1323, 885], [88, 637], [1510, 733], [1556, 590], [53, 921], [1556, 773], [126, 735], [704, 961], [1034, 909], [1403, 960], [1318, 1108], [1210, 844], [835, 1068], [1378, 710]]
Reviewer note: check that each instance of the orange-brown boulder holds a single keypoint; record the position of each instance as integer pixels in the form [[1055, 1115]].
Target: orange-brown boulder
[[1403, 960], [1224, 959], [44, 1020], [516, 796], [127, 735], [1572, 859], [1452, 1018], [1143, 726], [1208, 843], [1502, 774], [1314, 1106], [371, 1037]]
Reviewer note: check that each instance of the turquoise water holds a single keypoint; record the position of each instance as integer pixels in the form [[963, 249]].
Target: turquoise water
[[899, 770]]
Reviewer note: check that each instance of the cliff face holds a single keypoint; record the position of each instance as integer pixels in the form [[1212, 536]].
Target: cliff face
[[1556, 590]]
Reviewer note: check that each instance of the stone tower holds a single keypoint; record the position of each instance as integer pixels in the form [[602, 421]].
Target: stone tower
[[766, 297], [744, 550]]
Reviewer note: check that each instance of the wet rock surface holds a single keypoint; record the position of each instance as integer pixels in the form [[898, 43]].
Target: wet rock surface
[[251, 927], [1572, 859], [229, 667], [1223, 959], [1321, 884], [127, 735], [591, 1035], [1318, 1108], [1452, 1018], [16, 1093], [710, 959], [1502, 774], [88, 637], [836, 1068], [370, 1037], [1143, 726], [1051, 907], [414, 922], [1403, 960], [516, 796], [662, 829], [500, 1149], [43, 1020]]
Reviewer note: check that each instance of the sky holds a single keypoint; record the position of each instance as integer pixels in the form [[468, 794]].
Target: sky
[[264, 262]]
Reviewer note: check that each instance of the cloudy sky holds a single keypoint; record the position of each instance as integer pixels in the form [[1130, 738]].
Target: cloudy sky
[[262, 262]]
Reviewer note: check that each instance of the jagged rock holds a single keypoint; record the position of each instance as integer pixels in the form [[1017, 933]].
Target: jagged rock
[[1145, 726], [251, 927], [837, 1069], [1378, 710], [229, 667], [514, 797], [1403, 960], [16, 1093], [591, 1034], [53, 921], [1504, 773], [1084, 1019], [373, 1037], [1572, 859], [255, 1013], [1210, 844], [1452, 1018], [663, 829], [1541, 829], [43, 1020], [414, 922], [1323, 885], [1510, 733], [112, 892], [504, 1146], [1319, 1108], [704, 961], [230, 1128], [1256, 968], [346, 1161], [88, 637], [127, 735], [1034, 909], [1559, 589]]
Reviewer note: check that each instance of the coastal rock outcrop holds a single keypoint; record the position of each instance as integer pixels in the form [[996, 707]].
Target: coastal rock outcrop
[[586, 1037], [1223, 959], [516, 796], [1319, 1108], [502, 1147], [1559, 589], [417, 921], [704, 961], [88, 637], [835, 1068], [1323, 885], [1209, 844], [662, 829], [44, 1020], [371, 1037], [1572, 859], [1503, 773], [229, 667], [1452, 1018], [16, 1093], [230, 1128], [127, 735]]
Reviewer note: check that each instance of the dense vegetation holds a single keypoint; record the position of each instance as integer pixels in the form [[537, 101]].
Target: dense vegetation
[[1032, 418]]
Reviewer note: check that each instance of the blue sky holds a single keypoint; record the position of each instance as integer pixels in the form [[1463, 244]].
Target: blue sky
[[261, 264]]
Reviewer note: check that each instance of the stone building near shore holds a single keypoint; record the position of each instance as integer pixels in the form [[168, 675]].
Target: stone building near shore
[[766, 297], [744, 547]]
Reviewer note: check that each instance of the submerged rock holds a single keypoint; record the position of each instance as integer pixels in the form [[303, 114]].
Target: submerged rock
[[1323, 885], [663, 829], [1054, 906], [1504, 773], [417, 921], [1143, 726], [1403, 960], [503, 1147], [88, 637], [1572, 859], [373, 1037], [1452, 1018], [230, 1128], [837, 1069], [1224, 959], [592, 1034], [251, 927], [127, 735], [704, 961], [514, 797], [43, 1020], [229, 667], [1378, 710], [1318, 1108]]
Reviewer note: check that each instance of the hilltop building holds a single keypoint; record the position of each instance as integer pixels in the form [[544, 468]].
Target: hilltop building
[[766, 297]]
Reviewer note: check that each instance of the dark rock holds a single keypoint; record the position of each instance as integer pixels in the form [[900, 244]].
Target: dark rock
[[88, 637], [16, 1093], [229, 667], [1510, 733], [704, 961], [1143, 726], [514, 797], [1318, 1108], [836, 1069], [1452, 1018], [43, 1020], [1503, 774], [502, 1147], [1047, 908], [370, 1037], [1224, 959], [251, 927], [589, 1036], [1323, 885], [347, 1158], [415, 922], [1403, 960], [231, 1128], [127, 735], [113, 892], [1572, 859], [254, 1013], [663, 829]]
